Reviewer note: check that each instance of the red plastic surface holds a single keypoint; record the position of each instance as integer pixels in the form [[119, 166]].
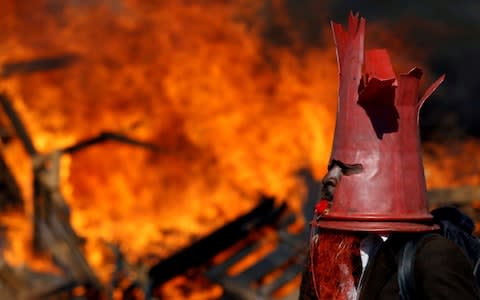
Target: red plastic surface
[[377, 127]]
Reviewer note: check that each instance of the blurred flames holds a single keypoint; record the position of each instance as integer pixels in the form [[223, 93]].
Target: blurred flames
[[232, 115], [452, 164]]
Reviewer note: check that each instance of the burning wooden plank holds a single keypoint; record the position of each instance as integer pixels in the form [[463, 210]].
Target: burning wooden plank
[[53, 233], [463, 195], [466, 198], [18, 125], [106, 136], [10, 196], [206, 248], [36, 65], [288, 256], [23, 284]]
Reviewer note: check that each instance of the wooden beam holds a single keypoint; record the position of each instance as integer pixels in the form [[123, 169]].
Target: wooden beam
[[18, 124], [40, 64], [53, 233], [206, 248], [10, 195], [454, 196], [108, 136]]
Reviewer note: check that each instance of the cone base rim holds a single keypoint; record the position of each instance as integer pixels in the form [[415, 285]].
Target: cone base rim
[[370, 226]]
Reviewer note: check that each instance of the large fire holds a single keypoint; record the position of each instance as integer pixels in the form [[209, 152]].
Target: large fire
[[192, 78], [232, 117]]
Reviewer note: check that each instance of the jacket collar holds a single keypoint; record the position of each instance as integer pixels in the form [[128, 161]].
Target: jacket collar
[[384, 265]]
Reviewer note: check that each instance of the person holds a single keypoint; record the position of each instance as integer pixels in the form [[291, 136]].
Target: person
[[374, 193]]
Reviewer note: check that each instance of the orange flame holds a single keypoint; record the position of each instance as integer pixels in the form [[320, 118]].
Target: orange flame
[[194, 79], [233, 117], [452, 165]]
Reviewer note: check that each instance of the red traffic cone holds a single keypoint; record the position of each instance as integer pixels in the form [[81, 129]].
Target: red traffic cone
[[376, 131]]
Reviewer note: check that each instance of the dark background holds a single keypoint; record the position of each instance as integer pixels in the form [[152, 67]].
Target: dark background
[[441, 36]]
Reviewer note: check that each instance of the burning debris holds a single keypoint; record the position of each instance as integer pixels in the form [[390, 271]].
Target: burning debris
[[31, 66], [148, 84], [10, 197], [232, 103], [53, 235], [55, 240]]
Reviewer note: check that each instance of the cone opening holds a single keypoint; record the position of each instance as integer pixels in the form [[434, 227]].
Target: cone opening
[[369, 226]]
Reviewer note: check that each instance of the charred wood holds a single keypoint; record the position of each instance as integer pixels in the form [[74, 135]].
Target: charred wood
[[52, 231], [236, 291], [5, 135], [21, 283], [102, 137], [206, 248], [17, 124], [135, 274], [10, 195], [288, 257], [106, 136], [454, 196], [36, 65]]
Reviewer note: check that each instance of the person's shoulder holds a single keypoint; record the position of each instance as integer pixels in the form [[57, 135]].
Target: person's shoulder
[[442, 270], [435, 251], [436, 243]]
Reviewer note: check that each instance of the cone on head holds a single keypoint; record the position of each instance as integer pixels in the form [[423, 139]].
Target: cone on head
[[376, 143]]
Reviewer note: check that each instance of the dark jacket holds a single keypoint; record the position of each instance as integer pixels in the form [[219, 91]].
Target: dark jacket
[[441, 271]]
